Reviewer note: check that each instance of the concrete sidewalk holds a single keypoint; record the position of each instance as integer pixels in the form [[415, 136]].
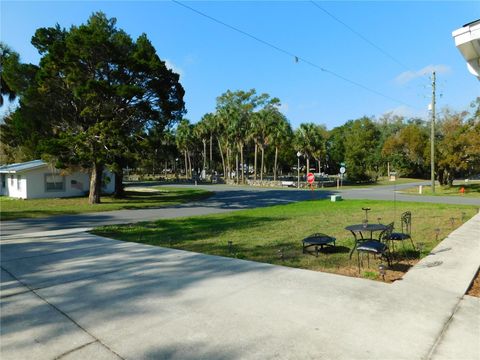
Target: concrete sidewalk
[[75, 296]]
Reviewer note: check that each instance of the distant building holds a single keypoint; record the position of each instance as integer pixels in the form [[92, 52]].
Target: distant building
[[467, 40], [37, 179]]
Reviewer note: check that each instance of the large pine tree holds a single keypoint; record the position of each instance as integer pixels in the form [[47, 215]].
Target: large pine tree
[[98, 91]]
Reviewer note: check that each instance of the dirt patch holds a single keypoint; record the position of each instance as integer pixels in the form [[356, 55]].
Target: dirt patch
[[474, 289], [393, 273]]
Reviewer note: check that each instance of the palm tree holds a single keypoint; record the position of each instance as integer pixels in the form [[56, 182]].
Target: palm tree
[[218, 130], [254, 134], [183, 138], [236, 108], [262, 126], [319, 150], [202, 133], [209, 121], [7, 58], [310, 140], [281, 135]]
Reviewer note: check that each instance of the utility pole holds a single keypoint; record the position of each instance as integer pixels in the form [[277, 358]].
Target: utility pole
[[432, 137]]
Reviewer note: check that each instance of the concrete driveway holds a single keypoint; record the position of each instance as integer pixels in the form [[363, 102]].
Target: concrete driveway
[[73, 295]]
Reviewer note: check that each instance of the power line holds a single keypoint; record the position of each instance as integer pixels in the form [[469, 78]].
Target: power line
[[286, 52], [360, 35]]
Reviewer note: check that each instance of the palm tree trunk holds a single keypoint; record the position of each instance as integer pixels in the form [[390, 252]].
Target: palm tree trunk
[[204, 157], [262, 167], [186, 164], [210, 167], [275, 165], [236, 168], [229, 163], [189, 165], [308, 167], [255, 164], [223, 159], [241, 163]]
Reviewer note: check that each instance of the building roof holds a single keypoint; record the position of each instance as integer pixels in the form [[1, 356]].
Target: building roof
[[467, 40], [20, 167]]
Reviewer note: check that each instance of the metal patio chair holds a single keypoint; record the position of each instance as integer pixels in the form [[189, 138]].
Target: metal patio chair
[[406, 231], [376, 247]]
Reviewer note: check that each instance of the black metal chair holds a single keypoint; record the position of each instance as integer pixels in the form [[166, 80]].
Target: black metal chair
[[376, 247], [406, 232]]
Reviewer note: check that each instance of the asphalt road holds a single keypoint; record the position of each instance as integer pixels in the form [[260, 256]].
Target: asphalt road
[[226, 198]]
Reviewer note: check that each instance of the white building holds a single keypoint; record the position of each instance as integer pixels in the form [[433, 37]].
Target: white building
[[37, 179], [467, 40]]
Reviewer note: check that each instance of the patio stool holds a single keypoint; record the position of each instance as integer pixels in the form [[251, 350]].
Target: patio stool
[[318, 240]]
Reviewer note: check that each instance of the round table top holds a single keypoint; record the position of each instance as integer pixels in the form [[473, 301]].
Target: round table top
[[366, 227], [318, 239]]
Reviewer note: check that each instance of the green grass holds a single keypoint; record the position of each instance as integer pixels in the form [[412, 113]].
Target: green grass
[[16, 208], [386, 181], [471, 190], [380, 182], [263, 234]]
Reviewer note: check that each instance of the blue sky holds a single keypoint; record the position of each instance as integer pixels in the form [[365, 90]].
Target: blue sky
[[212, 58]]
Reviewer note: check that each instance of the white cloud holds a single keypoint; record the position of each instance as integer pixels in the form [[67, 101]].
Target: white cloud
[[408, 76], [406, 112], [169, 64], [401, 110]]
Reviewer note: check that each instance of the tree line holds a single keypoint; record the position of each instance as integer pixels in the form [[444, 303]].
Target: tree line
[[248, 131], [100, 99]]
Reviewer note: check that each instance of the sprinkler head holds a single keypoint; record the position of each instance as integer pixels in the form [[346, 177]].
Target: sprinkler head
[[382, 269]]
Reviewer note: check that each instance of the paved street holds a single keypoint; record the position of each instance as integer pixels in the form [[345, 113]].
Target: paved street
[[226, 198]]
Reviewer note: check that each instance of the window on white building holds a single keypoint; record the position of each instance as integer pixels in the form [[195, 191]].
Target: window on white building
[[19, 177], [54, 182]]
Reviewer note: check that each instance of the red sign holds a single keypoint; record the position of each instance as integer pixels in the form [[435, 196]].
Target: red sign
[[310, 178]]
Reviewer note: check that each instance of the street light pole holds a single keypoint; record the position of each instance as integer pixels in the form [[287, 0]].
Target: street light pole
[[298, 169], [432, 137]]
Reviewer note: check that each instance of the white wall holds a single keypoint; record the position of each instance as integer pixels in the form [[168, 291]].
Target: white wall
[[12, 189], [32, 184], [36, 184]]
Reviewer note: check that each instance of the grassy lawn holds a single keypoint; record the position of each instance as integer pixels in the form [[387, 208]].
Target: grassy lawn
[[380, 182], [263, 234], [399, 181], [16, 208], [471, 190]]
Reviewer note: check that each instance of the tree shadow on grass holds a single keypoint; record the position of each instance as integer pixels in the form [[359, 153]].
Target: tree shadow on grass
[[401, 267], [181, 232], [156, 199], [338, 249]]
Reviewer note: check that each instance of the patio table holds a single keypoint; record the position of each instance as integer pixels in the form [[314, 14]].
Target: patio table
[[360, 229], [318, 240]]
